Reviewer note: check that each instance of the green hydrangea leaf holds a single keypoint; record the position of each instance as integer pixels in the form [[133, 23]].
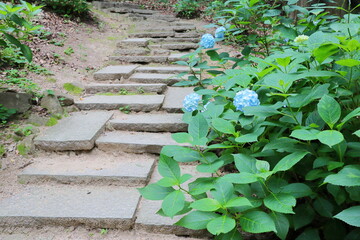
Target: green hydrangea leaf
[[349, 176], [222, 224], [280, 202], [173, 203], [351, 216], [257, 222], [196, 220]]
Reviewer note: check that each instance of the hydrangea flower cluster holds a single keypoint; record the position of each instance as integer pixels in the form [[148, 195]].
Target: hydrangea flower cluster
[[301, 38], [191, 102], [220, 32], [246, 98], [207, 41]]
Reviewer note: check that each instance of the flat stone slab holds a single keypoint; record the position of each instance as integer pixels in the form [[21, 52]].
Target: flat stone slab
[[77, 132], [167, 28], [182, 46], [124, 172], [187, 35], [168, 79], [115, 88], [134, 142], [172, 40], [132, 51], [177, 57], [145, 103], [101, 206], [133, 42], [152, 34], [139, 59], [164, 70], [174, 98], [148, 220], [115, 72], [150, 123]]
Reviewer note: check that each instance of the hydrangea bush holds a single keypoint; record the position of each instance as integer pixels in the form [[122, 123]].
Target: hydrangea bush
[[280, 136]]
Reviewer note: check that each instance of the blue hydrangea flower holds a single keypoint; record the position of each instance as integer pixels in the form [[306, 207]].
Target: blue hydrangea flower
[[191, 102], [220, 32], [207, 41], [246, 98]]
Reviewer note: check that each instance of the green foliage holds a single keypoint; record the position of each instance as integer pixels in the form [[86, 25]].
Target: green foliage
[[72, 8], [289, 166], [52, 121], [125, 109], [22, 149], [15, 26], [17, 78], [187, 8], [72, 89], [69, 51], [5, 114]]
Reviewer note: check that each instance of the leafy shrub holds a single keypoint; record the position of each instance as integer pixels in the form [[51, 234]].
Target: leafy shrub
[[5, 114], [74, 8], [15, 26], [72, 89], [289, 166], [187, 8]]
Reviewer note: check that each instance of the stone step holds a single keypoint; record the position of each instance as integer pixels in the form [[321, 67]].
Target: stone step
[[187, 35], [167, 28], [92, 206], [176, 46], [139, 59], [100, 168], [149, 123], [137, 103], [162, 17], [147, 219], [152, 35], [172, 40], [174, 57], [174, 98], [132, 52], [168, 79], [133, 42], [115, 72], [115, 88], [134, 142], [77, 132], [162, 69], [124, 10], [111, 4]]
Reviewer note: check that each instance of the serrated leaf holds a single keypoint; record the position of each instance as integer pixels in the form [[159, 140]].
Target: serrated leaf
[[222, 224], [201, 185], [250, 137], [289, 161], [357, 133], [330, 137], [245, 163], [182, 137], [298, 190], [173, 203], [185, 178], [257, 222], [304, 215], [198, 127], [223, 126], [206, 205], [233, 235], [196, 220], [324, 207], [351, 216], [155, 192], [349, 176], [281, 223], [238, 202], [168, 167], [280, 202], [329, 110], [223, 191], [211, 167], [240, 178], [304, 134], [168, 182]]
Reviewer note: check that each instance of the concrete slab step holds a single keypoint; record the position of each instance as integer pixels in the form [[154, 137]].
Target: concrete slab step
[[174, 98], [137, 103], [147, 219], [77, 132], [162, 69], [133, 42], [152, 34], [134, 142], [187, 35], [139, 59], [149, 123], [107, 170], [168, 79], [115, 88], [93, 206], [132, 51], [115, 72], [125, 10]]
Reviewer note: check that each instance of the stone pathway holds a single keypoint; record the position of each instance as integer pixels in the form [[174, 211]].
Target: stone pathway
[[103, 194]]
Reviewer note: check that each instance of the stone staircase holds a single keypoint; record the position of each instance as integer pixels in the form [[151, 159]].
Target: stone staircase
[[123, 148]]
